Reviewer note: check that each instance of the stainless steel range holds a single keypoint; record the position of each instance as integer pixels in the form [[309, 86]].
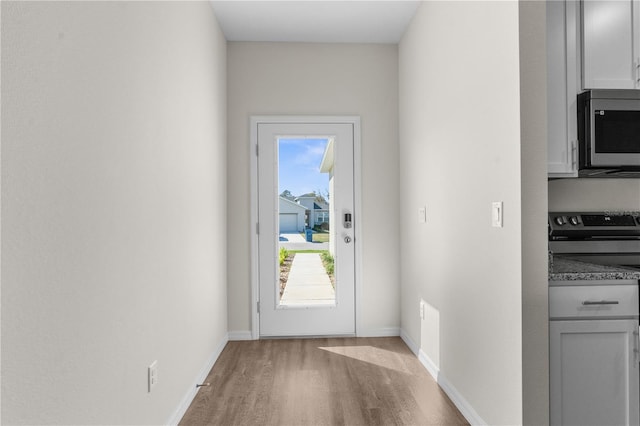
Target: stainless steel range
[[608, 238]]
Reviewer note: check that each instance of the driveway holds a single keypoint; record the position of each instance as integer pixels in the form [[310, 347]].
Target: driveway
[[297, 242], [292, 238]]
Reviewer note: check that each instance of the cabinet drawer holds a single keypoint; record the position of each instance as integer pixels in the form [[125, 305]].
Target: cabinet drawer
[[593, 301]]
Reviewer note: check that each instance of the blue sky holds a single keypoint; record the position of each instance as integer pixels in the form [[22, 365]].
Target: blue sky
[[299, 166]]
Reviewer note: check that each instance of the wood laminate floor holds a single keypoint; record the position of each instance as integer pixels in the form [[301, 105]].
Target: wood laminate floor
[[328, 381]]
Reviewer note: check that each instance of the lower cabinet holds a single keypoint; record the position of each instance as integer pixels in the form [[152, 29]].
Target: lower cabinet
[[594, 372]]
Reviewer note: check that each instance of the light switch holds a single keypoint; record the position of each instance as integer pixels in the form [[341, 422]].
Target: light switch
[[422, 215], [496, 214]]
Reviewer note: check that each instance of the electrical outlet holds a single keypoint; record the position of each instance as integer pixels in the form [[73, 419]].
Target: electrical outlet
[[422, 309], [422, 214], [153, 375], [496, 214]]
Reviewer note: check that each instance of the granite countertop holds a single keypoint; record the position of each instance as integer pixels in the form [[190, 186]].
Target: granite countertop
[[567, 269]]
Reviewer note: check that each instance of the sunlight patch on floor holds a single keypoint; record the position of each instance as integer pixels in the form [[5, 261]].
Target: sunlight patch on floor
[[369, 354]]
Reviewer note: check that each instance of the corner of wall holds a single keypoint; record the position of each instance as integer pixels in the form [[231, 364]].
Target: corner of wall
[[456, 397], [533, 125]]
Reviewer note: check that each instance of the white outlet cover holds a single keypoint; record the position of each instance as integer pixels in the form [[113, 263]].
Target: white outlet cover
[[152, 375], [422, 215], [496, 214]]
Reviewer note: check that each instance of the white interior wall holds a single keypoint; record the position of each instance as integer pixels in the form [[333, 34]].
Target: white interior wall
[[459, 151], [320, 79], [113, 208]]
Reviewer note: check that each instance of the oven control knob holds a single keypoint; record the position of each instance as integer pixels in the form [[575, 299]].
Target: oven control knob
[[560, 220], [574, 220]]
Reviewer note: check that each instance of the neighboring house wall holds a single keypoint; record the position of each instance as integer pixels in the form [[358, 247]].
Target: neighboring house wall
[[308, 203], [294, 78], [321, 216], [287, 207], [113, 208], [320, 212], [327, 166], [333, 224]]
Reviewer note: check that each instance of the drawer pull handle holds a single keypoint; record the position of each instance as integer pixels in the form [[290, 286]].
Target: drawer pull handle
[[601, 302]]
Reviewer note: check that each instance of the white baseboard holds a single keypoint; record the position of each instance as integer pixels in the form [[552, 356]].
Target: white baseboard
[[458, 400], [193, 390], [429, 365], [462, 404], [377, 332], [240, 335], [380, 332], [409, 342]]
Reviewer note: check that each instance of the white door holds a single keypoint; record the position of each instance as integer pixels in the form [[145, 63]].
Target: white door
[[313, 301]]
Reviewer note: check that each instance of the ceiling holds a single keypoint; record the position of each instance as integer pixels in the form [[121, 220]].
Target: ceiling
[[325, 21]]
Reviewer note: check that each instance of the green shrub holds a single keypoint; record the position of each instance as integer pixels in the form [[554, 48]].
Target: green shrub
[[284, 253], [327, 260]]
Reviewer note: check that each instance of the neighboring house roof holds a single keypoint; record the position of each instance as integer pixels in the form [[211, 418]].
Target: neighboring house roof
[[309, 195], [315, 204], [320, 206], [300, 206]]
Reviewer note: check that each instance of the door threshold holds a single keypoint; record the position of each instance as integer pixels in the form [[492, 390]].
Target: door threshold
[[329, 336]]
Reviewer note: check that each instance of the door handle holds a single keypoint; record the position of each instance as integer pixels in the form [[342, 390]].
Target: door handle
[[636, 347], [347, 239], [601, 302]]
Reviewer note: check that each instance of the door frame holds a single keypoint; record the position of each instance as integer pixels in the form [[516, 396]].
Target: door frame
[[357, 188]]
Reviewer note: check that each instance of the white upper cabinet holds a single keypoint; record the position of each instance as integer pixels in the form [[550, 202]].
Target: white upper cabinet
[[610, 44], [563, 85]]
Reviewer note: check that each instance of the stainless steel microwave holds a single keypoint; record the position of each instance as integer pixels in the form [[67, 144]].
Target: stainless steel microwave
[[609, 130]]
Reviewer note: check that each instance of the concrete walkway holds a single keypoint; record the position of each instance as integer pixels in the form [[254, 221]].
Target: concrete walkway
[[308, 282]]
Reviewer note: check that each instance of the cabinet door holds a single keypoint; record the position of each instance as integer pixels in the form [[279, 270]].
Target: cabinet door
[[594, 372], [563, 85], [609, 45]]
